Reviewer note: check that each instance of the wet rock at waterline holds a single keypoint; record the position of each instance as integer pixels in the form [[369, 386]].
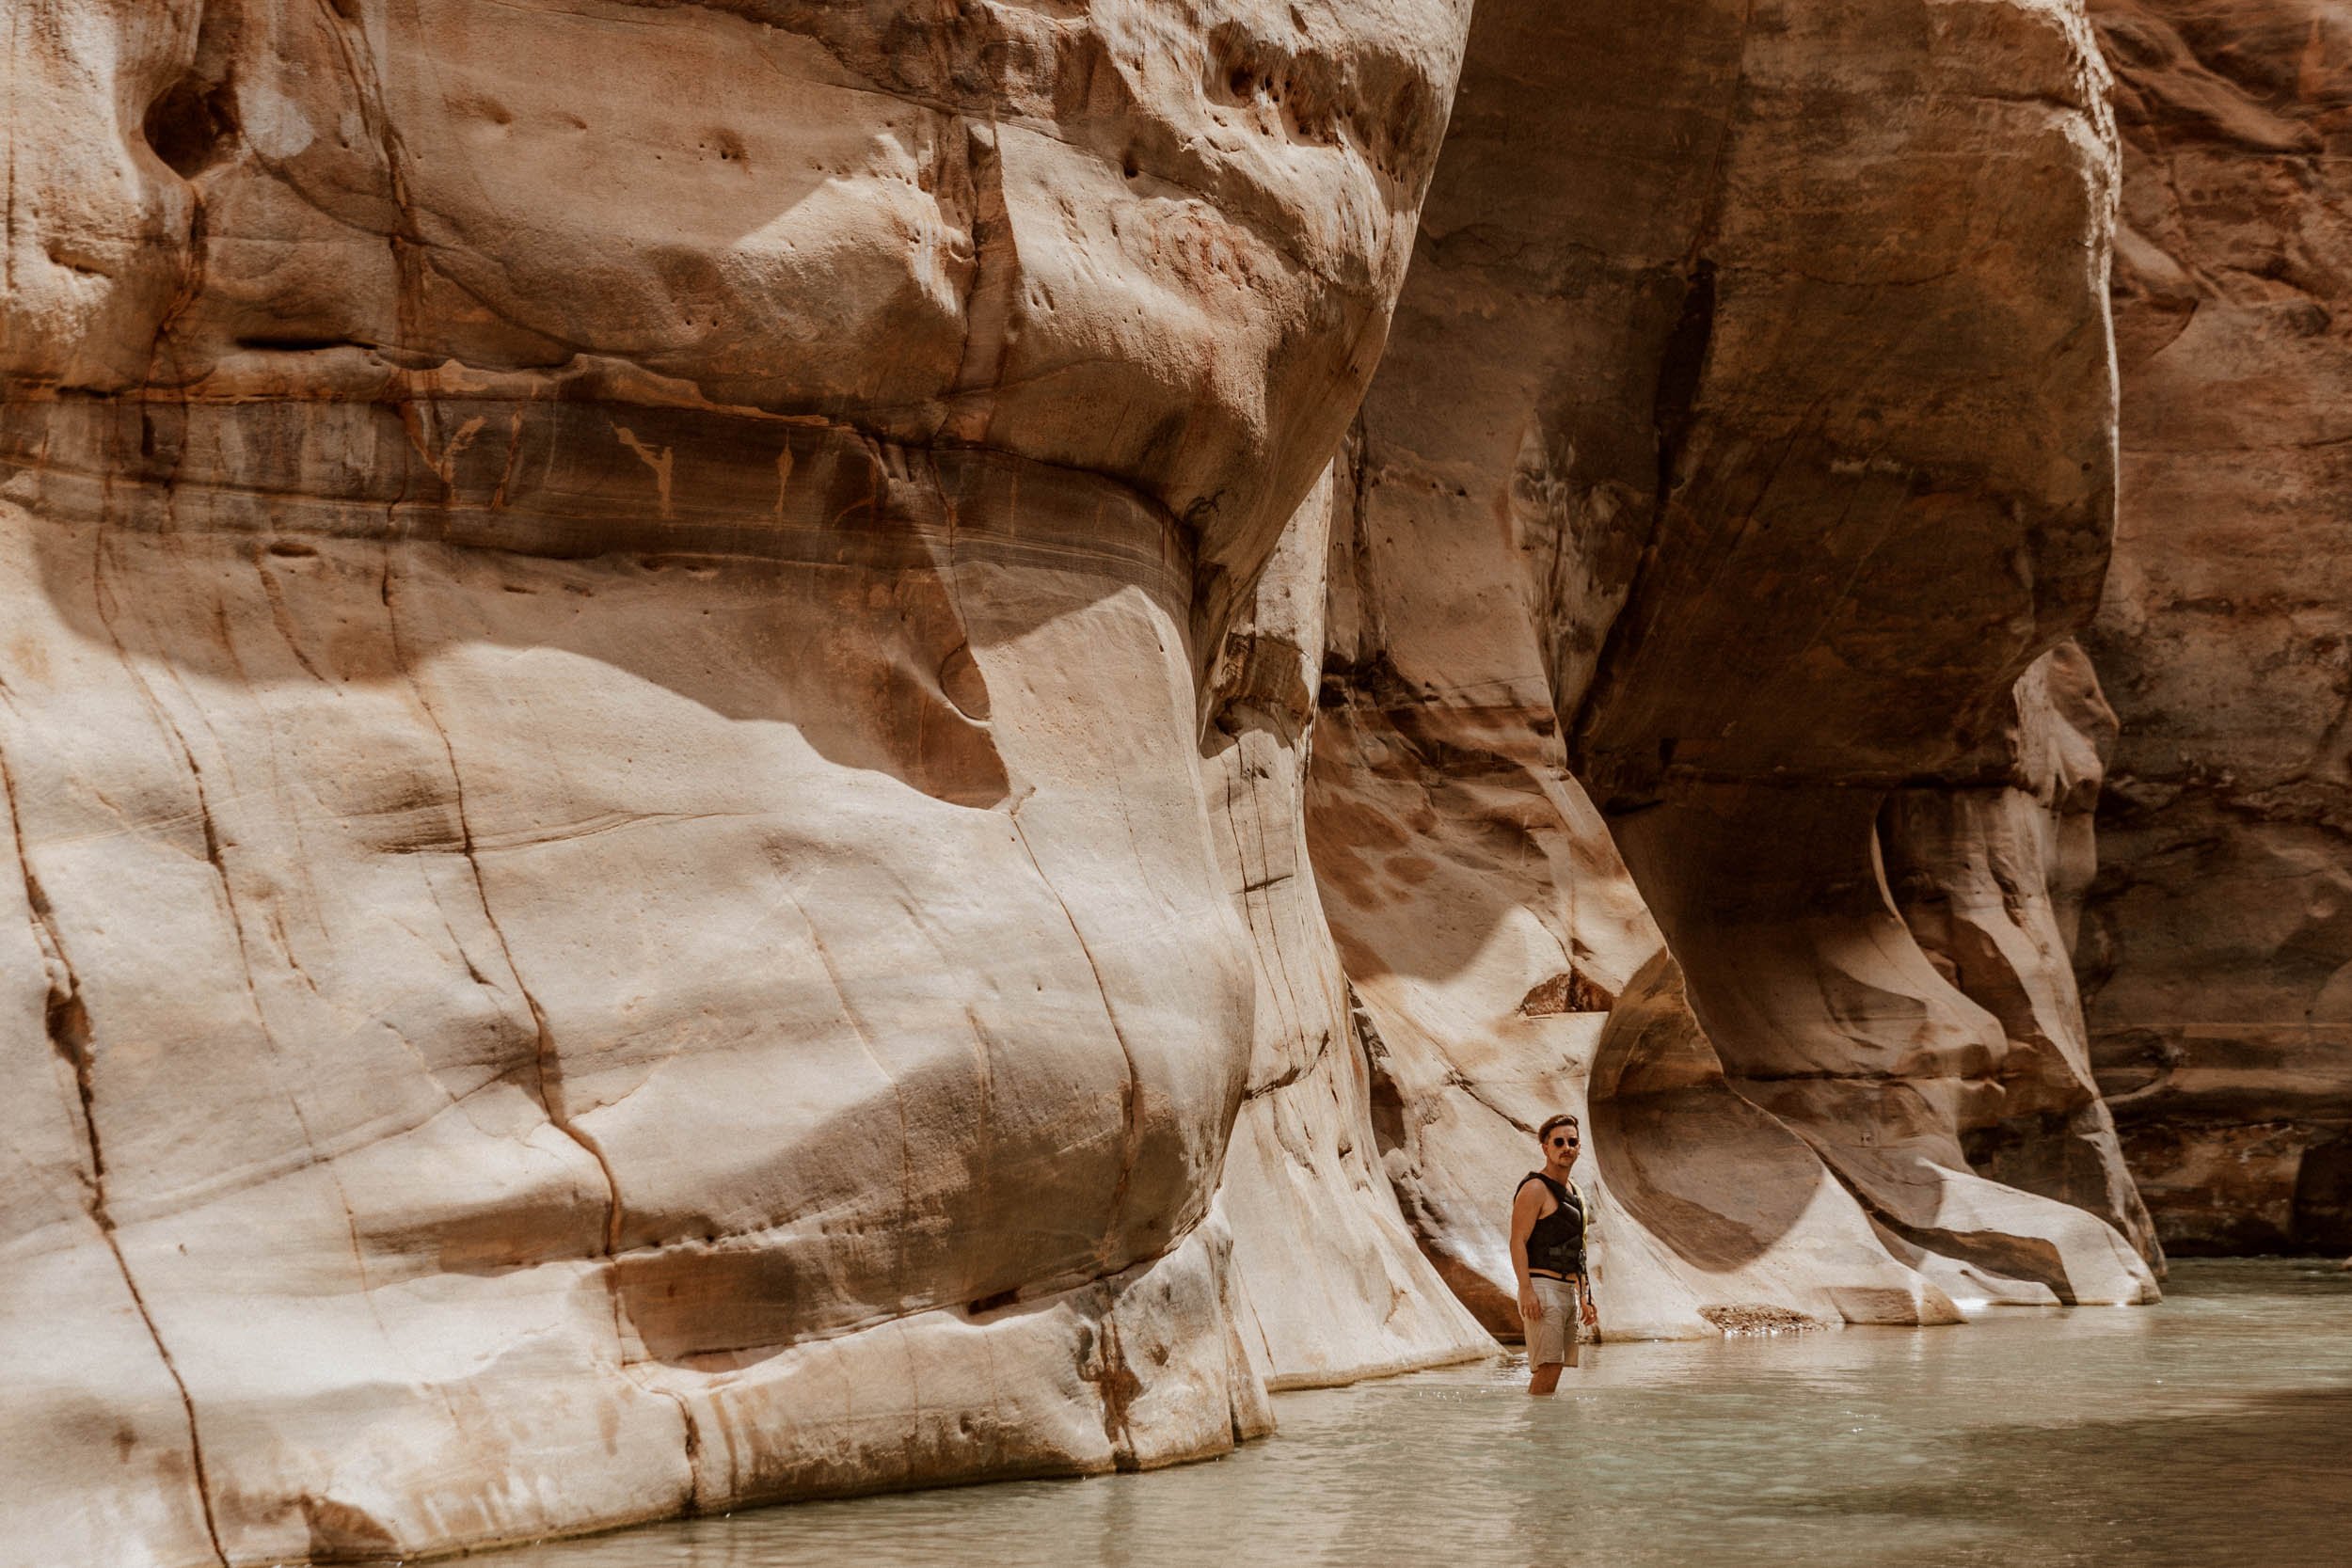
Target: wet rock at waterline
[[740, 770]]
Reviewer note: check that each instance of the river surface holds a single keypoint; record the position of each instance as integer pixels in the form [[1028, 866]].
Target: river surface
[[2212, 1430]]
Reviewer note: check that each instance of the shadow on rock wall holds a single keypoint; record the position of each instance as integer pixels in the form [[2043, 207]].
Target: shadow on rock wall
[[1752, 507]]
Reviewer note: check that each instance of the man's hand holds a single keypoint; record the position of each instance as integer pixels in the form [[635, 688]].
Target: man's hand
[[1530, 1308], [1592, 1313]]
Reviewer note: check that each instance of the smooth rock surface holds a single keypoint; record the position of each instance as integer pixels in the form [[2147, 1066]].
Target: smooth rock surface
[[1884, 482], [1505, 968], [620, 908], [1989, 876], [1338, 1286]]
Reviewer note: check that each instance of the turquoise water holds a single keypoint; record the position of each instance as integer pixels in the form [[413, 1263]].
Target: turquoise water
[[2212, 1430]]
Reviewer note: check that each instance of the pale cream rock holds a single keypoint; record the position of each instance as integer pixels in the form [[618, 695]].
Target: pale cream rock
[[1339, 1287], [1989, 877], [607, 602], [1506, 969]]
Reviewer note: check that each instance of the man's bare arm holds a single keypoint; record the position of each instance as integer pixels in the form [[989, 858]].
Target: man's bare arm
[[1526, 1209], [1592, 1265]]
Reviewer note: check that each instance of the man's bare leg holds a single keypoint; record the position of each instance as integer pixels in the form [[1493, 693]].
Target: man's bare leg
[[1547, 1378]]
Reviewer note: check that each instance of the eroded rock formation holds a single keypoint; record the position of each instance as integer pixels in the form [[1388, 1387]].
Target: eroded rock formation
[[1771, 499], [1339, 1287], [736, 775], [2218, 956], [619, 909], [1504, 964], [1989, 874]]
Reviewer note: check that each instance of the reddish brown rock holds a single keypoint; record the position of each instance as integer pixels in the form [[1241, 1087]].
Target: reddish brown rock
[[1772, 496], [1884, 481], [2216, 959]]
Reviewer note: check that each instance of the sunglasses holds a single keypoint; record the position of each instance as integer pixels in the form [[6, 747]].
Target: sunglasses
[[1565, 1143]]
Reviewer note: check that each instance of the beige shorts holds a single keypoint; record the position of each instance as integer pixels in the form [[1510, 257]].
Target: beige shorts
[[1551, 1338]]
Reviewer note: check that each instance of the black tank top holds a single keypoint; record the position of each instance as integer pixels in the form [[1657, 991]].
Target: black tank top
[[1556, 1244]]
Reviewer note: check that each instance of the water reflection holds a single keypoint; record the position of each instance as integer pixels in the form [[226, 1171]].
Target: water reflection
[[2216, 1428]]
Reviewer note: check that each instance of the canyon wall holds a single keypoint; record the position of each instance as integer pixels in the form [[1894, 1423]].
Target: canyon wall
[[1338, 1283], [2218, 955], [1744, 439], [745, 761], [619, 908]]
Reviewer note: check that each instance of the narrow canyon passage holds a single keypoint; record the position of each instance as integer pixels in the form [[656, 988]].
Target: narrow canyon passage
[[760, 749]]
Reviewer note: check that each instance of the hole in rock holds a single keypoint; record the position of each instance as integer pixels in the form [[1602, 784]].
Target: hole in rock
[[190, 124], [1566, 992], [2323, 1198], [963, 685], [293, 343]]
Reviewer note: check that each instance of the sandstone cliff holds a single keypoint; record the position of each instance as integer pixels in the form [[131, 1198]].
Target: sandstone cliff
[[1741, 415], [619, 907], [735, 774], [2217, 953]]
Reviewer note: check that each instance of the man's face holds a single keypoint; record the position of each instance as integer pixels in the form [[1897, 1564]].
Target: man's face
[[1560, 1143]]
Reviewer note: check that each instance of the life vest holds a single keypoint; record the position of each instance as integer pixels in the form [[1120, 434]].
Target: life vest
[[1556, 1244]]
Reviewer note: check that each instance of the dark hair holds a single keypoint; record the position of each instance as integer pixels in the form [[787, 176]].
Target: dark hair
[[1543, 1133]]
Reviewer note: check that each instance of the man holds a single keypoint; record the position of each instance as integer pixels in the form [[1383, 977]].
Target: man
[[1548, 1218]]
